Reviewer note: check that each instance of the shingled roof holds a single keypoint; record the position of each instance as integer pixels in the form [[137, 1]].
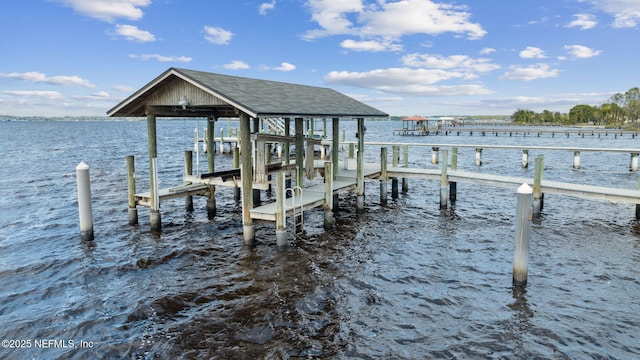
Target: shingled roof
[[225, 96]]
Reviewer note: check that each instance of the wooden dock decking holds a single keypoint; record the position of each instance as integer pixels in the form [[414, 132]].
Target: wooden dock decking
[[314, 196], [550, 187], [186, 189]]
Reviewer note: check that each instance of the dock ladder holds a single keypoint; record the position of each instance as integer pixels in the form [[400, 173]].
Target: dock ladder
[[297, 207], [276, 125]]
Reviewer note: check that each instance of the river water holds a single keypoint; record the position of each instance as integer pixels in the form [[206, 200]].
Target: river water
[[402, 280]]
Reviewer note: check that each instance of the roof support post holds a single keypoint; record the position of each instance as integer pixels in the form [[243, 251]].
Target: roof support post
[[287, 145], [211, 147], [299, 123], [153, 171], [309, 166], [360, 167], [335, 138], [248, 229]]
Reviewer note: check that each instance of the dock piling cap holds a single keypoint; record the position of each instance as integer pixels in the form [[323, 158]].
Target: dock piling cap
[[82, 166], [525, 189]]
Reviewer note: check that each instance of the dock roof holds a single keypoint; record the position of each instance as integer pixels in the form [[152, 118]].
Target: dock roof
[[211, 94]]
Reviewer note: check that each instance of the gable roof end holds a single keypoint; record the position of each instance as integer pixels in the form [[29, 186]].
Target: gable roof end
[[255, 97]]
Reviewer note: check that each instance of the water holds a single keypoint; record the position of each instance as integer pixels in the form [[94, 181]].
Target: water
[[404, 280]]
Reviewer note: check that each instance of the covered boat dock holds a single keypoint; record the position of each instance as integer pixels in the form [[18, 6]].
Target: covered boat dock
[[196, 94]]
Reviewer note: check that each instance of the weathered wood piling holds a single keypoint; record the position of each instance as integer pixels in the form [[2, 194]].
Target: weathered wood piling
[[131, 190]]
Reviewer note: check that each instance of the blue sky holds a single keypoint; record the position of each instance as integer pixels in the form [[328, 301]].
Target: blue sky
[[405, 57]]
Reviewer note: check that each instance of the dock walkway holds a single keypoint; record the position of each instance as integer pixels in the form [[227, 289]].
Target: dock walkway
[[314, 196], [185, 189], [551, 187]]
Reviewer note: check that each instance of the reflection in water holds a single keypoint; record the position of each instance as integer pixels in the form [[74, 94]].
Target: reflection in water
[[521, 310]]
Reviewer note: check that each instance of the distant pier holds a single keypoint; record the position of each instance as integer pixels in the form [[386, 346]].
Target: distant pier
[[517, 131]]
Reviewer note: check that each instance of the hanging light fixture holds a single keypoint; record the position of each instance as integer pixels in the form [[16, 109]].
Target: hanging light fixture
[[184, 102]]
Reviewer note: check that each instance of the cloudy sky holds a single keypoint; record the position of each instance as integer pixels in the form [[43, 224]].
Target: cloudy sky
[[405, 57]]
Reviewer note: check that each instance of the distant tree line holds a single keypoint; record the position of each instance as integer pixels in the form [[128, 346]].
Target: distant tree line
[[620, 109]]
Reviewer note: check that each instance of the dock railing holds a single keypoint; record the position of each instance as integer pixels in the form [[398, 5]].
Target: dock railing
[[501, 174], [436, 147]]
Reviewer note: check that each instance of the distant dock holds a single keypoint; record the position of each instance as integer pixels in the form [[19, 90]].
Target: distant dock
[[516, 131]]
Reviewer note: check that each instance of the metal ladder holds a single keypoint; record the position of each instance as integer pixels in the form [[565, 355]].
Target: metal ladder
[[276, 125], [298, 209]]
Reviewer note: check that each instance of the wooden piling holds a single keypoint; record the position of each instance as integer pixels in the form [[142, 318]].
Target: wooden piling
[[335, 145], [154, 217], [525, 159], [248, 229], [478, 156], [453, 186], [309, 168], [576, 159], [537, 185], [360, 167], [188, 171], [131, 190], [405, 162], [211, 198], [383, 175], [328, 195], [221, 141], [443, 180], [638, 205], [633, 163], [395, 157], [282, 236], [299, 129], [523, 226], [287, 145], [434, 155], [236, 165]]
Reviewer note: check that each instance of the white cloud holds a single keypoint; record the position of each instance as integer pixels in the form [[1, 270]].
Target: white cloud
[[581, 52], [538, 71], [532, 53], [264, 8], [626, 13], [132, 33], [583, 21], [161, 58], [390, 20], [236, 65], [407, 81], [285, 66], [453, 62], [487, 51], [332, 17], [108, 10], [370, 45], [38, 77], [48, 95], [217, 35], [419, 17], [123, 88], [100, 95]]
